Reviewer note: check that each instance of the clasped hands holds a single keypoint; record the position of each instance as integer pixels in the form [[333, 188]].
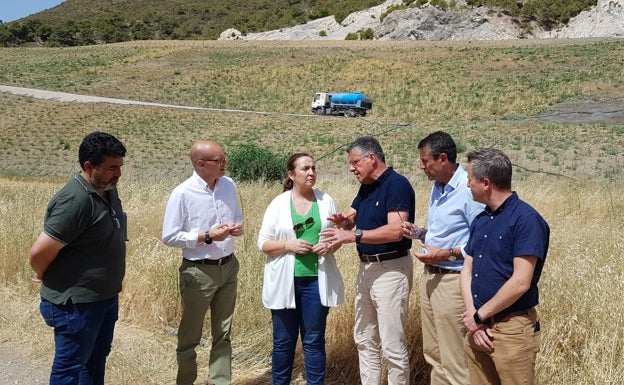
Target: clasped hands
[[481, 334], [300, 246], [222, 231]]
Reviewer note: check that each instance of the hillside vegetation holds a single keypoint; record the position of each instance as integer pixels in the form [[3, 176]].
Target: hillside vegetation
[[86, 22]]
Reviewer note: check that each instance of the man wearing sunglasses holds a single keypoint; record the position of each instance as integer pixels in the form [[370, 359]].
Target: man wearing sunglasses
[[384, 201]]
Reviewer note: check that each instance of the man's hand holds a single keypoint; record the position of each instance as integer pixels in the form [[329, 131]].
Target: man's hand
[[410, 230], [430, 255], [335, 237], [236, 229], [219, 232], [484, 339], [343, 220], [469, 321]]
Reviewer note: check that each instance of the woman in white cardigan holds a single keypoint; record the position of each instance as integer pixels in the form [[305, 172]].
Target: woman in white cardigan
[[301, 278]]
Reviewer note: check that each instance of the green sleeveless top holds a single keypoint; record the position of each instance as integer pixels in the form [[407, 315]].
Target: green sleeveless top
[[307, 227]]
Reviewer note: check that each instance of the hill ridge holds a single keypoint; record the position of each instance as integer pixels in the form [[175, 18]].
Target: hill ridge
[[429, 23]]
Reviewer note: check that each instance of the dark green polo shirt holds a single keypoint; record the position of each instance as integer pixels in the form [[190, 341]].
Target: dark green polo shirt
[[91, 265]]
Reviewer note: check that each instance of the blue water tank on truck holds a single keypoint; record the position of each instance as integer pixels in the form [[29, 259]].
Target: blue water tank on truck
[[347, 104]]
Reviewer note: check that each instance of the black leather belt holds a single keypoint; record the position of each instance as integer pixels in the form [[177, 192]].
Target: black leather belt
[[367, 258], [440, 270], [219, 262]]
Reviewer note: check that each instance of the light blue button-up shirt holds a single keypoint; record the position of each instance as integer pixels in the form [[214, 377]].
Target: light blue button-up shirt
[[451, 211]]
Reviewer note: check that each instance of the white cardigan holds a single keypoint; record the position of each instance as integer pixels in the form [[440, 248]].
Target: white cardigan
[[278, 290]]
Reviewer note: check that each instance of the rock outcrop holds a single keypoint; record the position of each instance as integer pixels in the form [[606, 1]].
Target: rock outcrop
[[606, 19]]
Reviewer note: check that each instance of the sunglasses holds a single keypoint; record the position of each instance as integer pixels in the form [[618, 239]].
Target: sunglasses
[[299, 227]]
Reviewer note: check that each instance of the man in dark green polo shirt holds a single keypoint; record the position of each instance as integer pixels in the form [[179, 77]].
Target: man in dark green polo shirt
[[79, 258]]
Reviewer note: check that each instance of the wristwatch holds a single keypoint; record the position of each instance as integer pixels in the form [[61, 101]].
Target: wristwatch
[[358, 236], [452, 256], [477, 318], [208, 240]]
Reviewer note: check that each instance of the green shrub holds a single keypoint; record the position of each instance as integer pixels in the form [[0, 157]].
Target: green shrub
[[440, 4], [367, 34], [352, 36], [391, 9], [323, 33], [252, 163]]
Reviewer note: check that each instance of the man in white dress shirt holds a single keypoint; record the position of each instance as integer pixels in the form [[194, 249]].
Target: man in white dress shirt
[[202, 217]]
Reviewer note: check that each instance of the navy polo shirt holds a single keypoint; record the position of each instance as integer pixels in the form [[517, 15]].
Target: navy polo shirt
[[390, 192], [514, 229]]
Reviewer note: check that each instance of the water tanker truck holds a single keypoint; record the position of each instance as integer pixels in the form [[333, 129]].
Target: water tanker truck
[[352, 104]]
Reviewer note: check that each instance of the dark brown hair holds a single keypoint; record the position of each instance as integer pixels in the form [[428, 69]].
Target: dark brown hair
[[290, 166]]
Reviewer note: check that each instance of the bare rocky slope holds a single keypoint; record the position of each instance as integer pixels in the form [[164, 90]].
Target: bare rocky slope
[[605, 20]]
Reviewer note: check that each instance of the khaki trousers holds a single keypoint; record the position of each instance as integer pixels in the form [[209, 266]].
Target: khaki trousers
[[381, 314], [516, 344], [441, 308]]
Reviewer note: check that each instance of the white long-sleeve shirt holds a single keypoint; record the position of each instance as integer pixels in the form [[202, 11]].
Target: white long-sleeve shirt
[[194, 208]]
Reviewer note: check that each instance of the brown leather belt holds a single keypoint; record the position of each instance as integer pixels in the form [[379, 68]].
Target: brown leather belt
[[441, 270], [506, 317], [217, 262], [368, 258]]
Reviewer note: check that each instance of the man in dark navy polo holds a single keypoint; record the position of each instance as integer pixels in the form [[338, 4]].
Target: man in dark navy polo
[[505, 256], [384, 201]]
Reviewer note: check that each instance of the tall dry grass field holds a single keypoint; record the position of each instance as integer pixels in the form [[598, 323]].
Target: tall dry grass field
[[580, 288], [484, 94]]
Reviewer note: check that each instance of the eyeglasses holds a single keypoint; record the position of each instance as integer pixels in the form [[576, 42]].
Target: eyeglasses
[[354, 163], [299, 227], [221, 160]]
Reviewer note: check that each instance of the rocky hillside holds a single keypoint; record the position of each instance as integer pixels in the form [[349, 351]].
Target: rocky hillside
[[606, 19]]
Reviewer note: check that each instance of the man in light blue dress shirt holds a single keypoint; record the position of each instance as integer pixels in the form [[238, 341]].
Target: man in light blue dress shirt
[[451, 210]]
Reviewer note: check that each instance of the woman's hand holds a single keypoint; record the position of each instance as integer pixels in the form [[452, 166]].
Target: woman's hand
[[298, 246]]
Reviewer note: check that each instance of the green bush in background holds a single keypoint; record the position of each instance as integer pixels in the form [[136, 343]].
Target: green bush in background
[[252, 163]]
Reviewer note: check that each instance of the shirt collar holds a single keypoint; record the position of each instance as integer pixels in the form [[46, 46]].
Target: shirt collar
[[202, 184], [384, 175], [509, 201], [85, 185], [453, 183]]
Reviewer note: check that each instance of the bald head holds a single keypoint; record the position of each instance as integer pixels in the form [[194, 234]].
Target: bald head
[[205, 149], [208, 160]]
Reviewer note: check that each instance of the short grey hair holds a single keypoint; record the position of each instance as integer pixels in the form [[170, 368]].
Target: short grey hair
[[367, 145]]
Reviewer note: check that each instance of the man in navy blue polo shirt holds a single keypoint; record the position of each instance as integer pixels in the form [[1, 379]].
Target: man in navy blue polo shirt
[[384, 201], [505, 256]]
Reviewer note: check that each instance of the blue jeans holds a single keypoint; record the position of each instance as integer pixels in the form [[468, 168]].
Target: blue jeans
[[309, 318], [83, 335]]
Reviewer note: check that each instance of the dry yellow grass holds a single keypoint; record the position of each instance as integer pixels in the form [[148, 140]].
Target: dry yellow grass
[[581, 306]]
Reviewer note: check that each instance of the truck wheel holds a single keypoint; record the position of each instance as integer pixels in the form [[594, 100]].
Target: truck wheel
[[319, 111], [350, 113]]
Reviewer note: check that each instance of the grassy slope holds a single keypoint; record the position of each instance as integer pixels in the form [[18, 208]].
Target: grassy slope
[[486, 94]]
